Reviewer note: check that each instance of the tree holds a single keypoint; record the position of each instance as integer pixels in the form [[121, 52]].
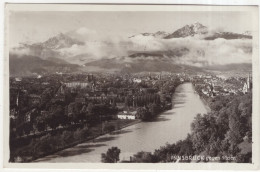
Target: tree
[[186, 147], [52, 120], [234, 134], [40, 123], [143, 113], [27, 127], [74, 111], [204, 132], [111, 156], [90, 109], [154, 109], [127, 101], [144, 157], [109, 128]]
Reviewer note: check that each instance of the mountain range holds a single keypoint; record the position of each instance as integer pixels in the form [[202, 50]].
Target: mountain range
[[190, 48], [197, 29]]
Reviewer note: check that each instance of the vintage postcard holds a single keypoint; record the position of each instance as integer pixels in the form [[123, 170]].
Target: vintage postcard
[[131, 86]]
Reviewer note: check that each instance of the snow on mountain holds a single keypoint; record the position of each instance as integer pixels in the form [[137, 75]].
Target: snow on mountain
[[227, 36], [60, 41], [50, 48], [191, 45], [194, 30], [188, 30], [159, 34]]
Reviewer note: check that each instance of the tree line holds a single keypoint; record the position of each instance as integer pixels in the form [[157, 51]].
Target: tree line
[[218, 133]]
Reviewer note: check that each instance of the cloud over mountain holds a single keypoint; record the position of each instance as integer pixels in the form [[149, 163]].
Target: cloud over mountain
[[192, 45]]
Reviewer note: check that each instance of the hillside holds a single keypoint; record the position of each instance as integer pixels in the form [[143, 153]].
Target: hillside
[[231, 67], [142, 65], [27, 65]]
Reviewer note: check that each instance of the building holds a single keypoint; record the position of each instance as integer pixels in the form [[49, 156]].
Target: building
[[137, 80], [248, 84], [13, 114], [81, 100], [127, 115], [58, 98], [77, 84], [18, 79], [35, 99]]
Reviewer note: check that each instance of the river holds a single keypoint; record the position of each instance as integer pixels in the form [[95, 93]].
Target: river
[[170, 126]]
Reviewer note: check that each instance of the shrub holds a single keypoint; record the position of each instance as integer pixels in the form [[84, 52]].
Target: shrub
[[111, 156]]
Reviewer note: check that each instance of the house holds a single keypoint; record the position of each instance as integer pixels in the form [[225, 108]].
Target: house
[[18, 79], [208, 77], [120, 105], [35, 99], [111, 94], [45, 83], [57, 98], [81, 100], [28, 116], [217, 89], [45, 113], [204, 91], [127, 115], [137, 80], [77, 84], [13, 114]]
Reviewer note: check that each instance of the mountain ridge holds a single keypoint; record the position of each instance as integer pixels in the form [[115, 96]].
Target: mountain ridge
[[27, 65], [188, 30], [61, 51]]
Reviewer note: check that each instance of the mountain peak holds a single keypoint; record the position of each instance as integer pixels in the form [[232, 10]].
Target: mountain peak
[[197, 24], [189, 30], [62, 36], [60, 41]]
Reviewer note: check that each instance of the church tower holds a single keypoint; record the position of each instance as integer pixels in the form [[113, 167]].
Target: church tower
[[249, 81]]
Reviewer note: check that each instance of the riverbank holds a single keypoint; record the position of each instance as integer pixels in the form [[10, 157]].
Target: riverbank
[[78, 137], [121, 124], [206, 104]]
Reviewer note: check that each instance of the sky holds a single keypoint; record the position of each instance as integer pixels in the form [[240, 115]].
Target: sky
[[39, 26]]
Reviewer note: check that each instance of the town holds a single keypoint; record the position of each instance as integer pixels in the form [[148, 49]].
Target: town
[[95, 103]]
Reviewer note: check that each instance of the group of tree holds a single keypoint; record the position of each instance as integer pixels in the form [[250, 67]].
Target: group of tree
[[148, 112], [142, 100], [111, 156], [58, 115], [50, 143], [167, 153], [218, 133], [221, 131]]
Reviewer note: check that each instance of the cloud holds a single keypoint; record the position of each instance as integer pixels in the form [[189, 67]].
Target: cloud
[[198, 52], [85, 31], [190, 50], [20, 51]]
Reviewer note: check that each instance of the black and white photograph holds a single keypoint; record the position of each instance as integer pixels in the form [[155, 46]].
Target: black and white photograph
[[158, 85]]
